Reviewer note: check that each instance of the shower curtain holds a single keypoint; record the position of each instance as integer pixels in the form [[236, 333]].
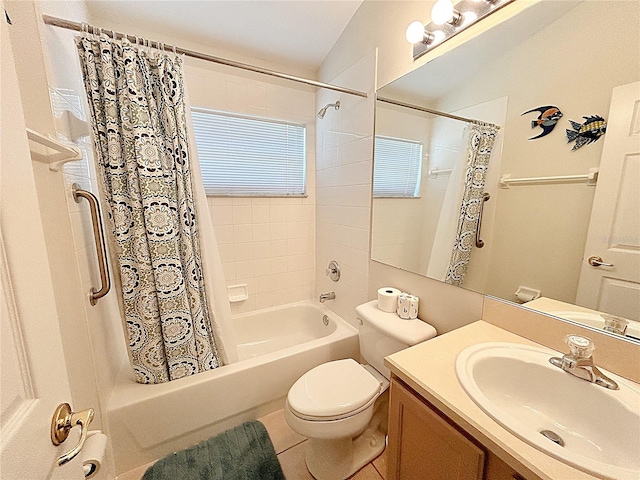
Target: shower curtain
[[145, 161], [459, 218]]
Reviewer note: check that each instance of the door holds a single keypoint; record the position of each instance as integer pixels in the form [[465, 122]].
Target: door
[[33, 378], [614, 229]]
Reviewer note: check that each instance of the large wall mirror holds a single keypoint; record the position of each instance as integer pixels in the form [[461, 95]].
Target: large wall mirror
[[555, 200]]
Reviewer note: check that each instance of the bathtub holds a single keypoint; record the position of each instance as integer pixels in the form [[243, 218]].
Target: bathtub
[[275, 347]]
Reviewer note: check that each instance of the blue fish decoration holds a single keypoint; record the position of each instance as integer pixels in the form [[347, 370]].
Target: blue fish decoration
[[547, 120], [591, 130]]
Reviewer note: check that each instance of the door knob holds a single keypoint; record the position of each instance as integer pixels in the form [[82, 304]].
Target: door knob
[[596, 261], [64, 420]]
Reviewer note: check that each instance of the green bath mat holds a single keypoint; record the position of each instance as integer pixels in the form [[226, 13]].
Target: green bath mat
[[242, 453]]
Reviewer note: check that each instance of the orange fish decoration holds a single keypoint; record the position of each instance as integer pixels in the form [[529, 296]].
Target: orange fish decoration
[[547, 120]]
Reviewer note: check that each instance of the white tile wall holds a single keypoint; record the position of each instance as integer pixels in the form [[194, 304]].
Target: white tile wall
[[101, 326], [104, 320], [93, 336], [267, 243], [344, 172]]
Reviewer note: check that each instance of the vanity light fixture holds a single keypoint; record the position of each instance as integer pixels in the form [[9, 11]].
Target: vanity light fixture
[[447, 20], [444, 12], [416, 33]]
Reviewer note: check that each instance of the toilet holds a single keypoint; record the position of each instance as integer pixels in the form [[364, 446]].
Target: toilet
[[341, 406]]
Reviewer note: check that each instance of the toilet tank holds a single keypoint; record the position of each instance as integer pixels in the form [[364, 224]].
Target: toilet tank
[[383, 333]]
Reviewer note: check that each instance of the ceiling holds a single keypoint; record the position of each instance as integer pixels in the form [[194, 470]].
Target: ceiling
[[285, 32]]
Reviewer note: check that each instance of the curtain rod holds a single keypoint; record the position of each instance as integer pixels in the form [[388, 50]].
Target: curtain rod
[[78, 27], [433, 112]]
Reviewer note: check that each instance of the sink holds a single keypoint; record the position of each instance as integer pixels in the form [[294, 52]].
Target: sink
[[518, 387]]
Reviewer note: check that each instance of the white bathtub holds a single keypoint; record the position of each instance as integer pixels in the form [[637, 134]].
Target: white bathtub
[[275, 346]]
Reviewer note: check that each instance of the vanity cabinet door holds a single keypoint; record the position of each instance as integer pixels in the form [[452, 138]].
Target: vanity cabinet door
[[422, 445], [496, 469]]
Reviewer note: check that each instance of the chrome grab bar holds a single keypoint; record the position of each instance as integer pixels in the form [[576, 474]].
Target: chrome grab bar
[[479, 241], [98, 233]]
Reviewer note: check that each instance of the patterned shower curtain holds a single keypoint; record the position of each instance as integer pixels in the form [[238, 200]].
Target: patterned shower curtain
[[139, 128], [480, 143]]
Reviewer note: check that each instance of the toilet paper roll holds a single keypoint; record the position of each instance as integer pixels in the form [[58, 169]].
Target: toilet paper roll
[[93, 453], [407, 306], [388, 299]]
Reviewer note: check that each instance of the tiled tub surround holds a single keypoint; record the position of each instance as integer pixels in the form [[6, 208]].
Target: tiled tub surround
[[344, 170], [267, 243], [277, 346]]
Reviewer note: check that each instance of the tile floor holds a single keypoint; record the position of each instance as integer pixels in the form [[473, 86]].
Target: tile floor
[[290, 449]]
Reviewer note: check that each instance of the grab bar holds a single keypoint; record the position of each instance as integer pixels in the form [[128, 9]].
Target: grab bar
[[479, 241], [98, 233]]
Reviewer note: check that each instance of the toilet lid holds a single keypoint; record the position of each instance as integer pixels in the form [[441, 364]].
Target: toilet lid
[[333, 389]]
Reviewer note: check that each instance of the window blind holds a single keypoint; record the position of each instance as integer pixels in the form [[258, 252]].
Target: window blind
[[248, 156], [397, 167]]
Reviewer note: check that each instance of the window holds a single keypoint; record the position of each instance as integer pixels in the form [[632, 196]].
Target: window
[[397, 167], [248, 156]]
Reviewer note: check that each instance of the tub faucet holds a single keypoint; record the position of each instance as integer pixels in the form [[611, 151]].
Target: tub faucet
[[579, 362], [327, 296]]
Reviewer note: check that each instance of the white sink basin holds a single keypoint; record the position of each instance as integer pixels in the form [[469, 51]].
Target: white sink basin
[[518, 387]]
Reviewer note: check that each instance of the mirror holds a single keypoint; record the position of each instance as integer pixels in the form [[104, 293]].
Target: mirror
[[538, 233]]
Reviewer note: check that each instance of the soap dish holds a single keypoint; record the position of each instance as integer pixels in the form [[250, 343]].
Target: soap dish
[[238, 293]]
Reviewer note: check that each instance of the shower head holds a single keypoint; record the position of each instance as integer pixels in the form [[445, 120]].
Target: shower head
[[323, 110]]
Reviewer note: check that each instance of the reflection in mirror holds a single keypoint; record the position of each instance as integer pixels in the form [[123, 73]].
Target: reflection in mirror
[[563, 205], [419, 233]]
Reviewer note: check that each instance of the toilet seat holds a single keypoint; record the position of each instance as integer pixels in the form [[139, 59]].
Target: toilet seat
[[333, 391]]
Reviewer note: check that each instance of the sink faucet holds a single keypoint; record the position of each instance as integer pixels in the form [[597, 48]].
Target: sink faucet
[[327, 296], [579, 362]]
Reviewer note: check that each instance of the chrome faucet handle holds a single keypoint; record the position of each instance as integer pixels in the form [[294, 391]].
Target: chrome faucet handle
[[333, 271], [579, 362], [614, 324], [580, 347]]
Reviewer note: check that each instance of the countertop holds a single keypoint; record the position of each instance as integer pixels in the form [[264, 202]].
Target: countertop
[[429, 368]]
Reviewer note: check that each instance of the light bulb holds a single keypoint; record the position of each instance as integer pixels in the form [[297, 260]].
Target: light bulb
[[415, 32], [469, 17], [442, 12]]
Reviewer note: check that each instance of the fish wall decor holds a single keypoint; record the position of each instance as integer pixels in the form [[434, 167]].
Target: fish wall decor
[[588, 132], [547, 120]]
